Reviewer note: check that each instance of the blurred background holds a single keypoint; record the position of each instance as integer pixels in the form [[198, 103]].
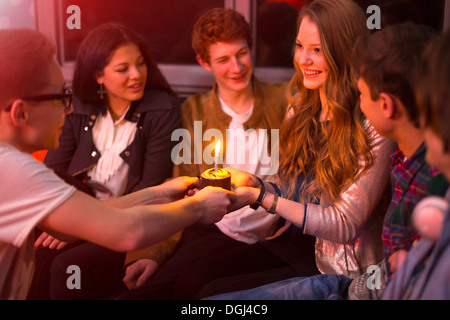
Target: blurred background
[[168, 24], [17, 14]]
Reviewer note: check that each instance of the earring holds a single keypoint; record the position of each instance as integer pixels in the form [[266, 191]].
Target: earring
[[101, 92]]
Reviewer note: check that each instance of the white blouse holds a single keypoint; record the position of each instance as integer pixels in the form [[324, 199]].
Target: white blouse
[[245, 224], [109, 176]]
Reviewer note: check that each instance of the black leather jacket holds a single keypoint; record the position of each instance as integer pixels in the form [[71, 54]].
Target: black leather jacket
[[156, 115]]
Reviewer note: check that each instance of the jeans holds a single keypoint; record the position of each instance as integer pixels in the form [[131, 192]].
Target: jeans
[[319, 287]]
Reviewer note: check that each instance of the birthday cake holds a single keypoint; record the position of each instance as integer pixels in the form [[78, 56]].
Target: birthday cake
[[220, 178]]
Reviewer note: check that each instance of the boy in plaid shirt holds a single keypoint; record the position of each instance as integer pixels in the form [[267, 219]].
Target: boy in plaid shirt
[[386, 61], [424, 274]]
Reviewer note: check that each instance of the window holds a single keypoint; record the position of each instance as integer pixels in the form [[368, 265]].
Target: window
[[168, 24], [276, 29]]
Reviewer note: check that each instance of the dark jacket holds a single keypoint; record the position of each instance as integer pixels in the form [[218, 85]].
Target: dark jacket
[[156, 116], [424, 274]]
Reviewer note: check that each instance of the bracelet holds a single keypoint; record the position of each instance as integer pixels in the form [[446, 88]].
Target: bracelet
[[274, 204], [276, 188], [304, 218], [262, 193]]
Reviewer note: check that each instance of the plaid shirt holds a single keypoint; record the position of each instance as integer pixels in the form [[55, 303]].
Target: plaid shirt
[[411, 182]]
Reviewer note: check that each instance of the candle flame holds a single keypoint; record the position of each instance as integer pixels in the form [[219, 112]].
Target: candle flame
[[217, 149]]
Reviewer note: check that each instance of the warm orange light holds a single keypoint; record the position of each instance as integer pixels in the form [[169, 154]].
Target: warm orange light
[[216, 157], [215, 176], [217, 149]]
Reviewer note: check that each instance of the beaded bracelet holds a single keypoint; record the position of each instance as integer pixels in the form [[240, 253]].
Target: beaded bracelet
[[274, 204]]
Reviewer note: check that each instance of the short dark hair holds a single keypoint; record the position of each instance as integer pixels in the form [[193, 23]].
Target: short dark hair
[[25, 55], [219, 25], [432, 83], [386, 60], [96, 51]]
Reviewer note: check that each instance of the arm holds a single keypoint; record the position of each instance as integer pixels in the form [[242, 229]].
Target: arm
[[142, 264], [169, 191], [342, 221], [128, 229], [158, 252]]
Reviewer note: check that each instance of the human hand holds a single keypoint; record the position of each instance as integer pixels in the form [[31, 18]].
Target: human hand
[[396, 260], [46, 240], [428, 217], [241, 178], [139, 272], [244, 196], [178, 188], [213, 203]]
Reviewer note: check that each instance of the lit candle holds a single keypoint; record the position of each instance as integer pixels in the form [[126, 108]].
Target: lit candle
[[216, 156], [216, 177]]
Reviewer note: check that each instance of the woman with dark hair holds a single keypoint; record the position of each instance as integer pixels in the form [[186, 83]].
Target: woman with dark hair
[[116, 141], [96, 52], [115, 74]]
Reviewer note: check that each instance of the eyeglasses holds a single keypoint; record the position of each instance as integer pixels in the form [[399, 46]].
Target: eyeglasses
[[65, 97]]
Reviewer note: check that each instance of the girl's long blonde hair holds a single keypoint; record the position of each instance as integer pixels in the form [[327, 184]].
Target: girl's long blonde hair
[[323, 158]]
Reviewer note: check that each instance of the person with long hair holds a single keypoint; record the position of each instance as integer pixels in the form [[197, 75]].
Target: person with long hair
[[116, 79], [333, 164], [385, 61], [334, 171], [116, 141]]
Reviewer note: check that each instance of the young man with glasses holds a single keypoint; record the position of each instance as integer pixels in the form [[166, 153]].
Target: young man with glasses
[[33, 105], [65, 97]]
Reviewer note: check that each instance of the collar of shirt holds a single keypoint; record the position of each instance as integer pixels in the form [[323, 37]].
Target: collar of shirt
[[403, 170]]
